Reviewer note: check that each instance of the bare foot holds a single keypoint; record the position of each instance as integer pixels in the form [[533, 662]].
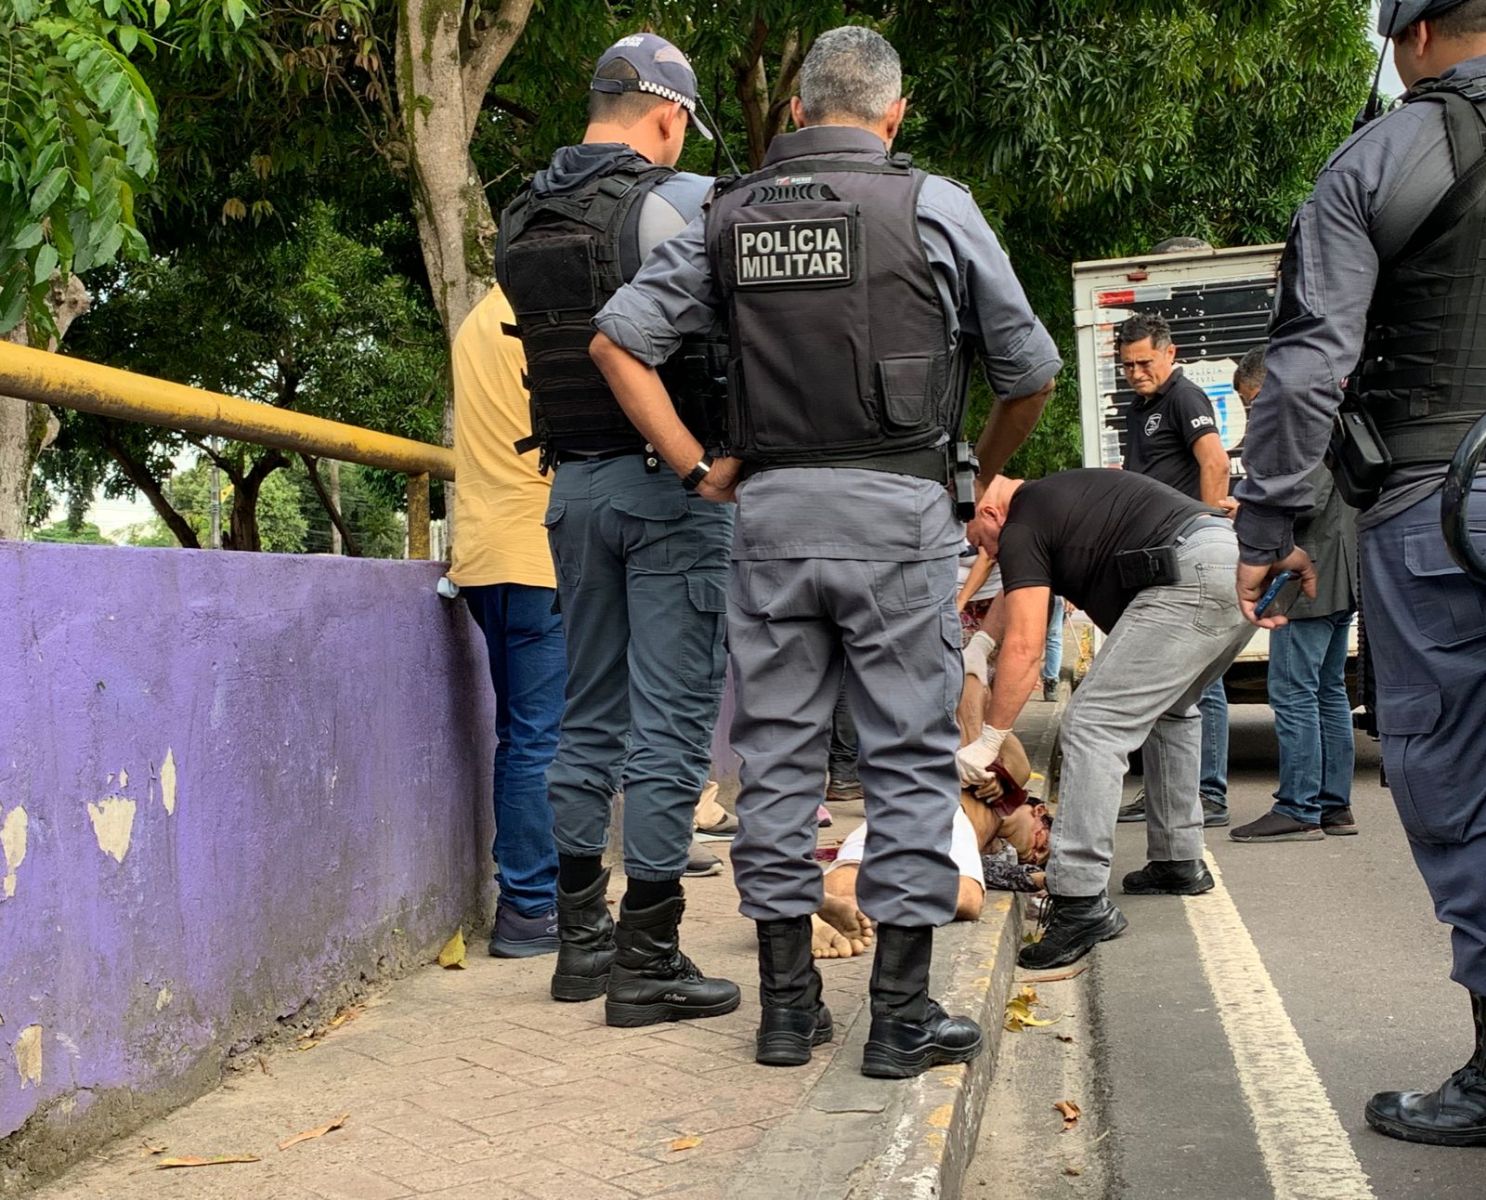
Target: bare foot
[[842, 917], [828, 942]]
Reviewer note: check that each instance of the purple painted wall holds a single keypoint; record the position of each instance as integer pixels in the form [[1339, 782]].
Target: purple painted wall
[[231, 785]]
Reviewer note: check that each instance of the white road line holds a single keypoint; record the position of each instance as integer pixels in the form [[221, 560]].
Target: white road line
[[1306, 1151]]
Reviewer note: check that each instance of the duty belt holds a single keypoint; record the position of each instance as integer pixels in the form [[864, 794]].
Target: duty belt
[[567, 456]]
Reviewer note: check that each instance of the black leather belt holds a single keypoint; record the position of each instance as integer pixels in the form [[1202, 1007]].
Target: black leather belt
[[567, 456]]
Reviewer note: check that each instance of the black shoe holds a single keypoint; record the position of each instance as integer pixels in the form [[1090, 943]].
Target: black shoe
[[794, 1018], [1049, 689], [1338, 822], [586, 950], [1135, 810], [1189, 877], [517, 936], [1214, 815], [1077, 925], [652, 981], [898, 1048], [1454, 1114], [1276, 827]]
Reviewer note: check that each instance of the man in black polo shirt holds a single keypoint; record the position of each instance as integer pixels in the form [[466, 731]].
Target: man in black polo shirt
[[1149, 566], [1172, 435]]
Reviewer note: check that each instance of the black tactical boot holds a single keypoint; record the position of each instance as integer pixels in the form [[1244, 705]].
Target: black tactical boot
[[1454, 1114], [1077, 925], [586, 942], [794, 1019], [910, 1033], [652, 981], [1182, 877]]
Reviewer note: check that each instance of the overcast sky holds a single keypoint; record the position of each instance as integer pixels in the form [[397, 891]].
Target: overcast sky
[[1392, 85]]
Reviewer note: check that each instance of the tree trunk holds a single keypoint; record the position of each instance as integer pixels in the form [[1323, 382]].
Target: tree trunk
[[242, 531], [138, 474], [330, 501], [26, 428]]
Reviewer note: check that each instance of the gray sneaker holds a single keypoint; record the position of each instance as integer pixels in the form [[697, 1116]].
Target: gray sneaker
[[1135, 810], [1214, 815], [700, 864], [516, 936]]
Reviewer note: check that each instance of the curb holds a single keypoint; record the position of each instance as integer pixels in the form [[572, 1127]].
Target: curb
[[854, 1138]]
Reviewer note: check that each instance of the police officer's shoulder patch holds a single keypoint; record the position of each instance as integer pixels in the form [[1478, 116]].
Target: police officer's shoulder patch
[[799, 252]]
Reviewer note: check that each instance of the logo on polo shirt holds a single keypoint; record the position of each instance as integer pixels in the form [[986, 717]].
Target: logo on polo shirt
[[1152, 423], [1199, 422], [799, 252]]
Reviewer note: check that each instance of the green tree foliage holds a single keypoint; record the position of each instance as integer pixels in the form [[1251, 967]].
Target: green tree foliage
[[78, 126], [282, 524], [84, 534]]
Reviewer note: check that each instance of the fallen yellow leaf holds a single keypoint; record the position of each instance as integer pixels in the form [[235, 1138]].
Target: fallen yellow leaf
[[216, 1160], [318, 1132], [686, 1143], [345, 1014], [1019, 1014], [1071, 1113], [451, 957]]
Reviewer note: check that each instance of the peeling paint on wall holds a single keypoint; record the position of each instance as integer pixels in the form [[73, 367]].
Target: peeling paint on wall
[[28, 1055], [123, 779], [167, 782], [164, 998], [113, 825], [12, 848]]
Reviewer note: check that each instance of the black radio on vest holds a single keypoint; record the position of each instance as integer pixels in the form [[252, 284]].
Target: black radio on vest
[[559, 258], [841, 355], [1422, 375]]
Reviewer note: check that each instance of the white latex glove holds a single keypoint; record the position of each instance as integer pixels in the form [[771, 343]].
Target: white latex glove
[[978, 656], [975, 759]]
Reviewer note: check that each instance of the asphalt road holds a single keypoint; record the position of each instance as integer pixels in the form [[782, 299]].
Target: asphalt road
[[1179, 1039]]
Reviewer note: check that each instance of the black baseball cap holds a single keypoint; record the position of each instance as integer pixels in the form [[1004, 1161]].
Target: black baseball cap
[[660, 69], [1394, 16]]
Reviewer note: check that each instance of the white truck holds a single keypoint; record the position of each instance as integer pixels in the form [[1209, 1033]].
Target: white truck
[[1218, 303]]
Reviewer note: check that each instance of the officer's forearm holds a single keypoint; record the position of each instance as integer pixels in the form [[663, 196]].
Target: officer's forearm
[[1016, 675], [1010, 423], [646, 403], [1214, 481]]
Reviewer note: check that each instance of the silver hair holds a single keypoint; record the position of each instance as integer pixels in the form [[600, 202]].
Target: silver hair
[[851, 72]]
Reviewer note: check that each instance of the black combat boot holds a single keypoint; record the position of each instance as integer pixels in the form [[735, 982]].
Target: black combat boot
[[794, 1018], [1180, 877], [586, 942], [652, 981], [1454, 1114], [910, 1032], [1077, 925]]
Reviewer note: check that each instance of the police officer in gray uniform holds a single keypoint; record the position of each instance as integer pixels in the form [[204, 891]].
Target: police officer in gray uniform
[[1382, 285], [641, 563], [856, 290]]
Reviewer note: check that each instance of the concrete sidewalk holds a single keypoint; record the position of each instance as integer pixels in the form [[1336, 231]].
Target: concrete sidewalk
[[473, 1085]]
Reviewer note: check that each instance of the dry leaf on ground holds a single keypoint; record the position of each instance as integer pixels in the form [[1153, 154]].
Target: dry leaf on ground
[[1020, 1012], [451, 957], [686, 1143], [1071, 1113], [346, 1014], [215, 1160], [1073, 1170], [318, 1132], [1063, 1037], [151, 1148]]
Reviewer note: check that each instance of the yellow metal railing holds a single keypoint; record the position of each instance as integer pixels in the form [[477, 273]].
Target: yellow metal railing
[[74, 383]]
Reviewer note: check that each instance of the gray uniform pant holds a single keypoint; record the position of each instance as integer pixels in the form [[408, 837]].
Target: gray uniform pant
[[1426, 628], [1169, 645], [791, 624], [642, 583]]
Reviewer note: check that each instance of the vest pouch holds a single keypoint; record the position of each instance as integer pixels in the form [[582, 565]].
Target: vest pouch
[[908, 390], [553, 274]]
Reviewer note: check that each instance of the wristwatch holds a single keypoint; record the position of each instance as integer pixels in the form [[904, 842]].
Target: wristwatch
[[692, 480]]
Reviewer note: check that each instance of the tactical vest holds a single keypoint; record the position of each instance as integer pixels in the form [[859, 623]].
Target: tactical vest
[[841, 353], [1422, 376], [558, 259]]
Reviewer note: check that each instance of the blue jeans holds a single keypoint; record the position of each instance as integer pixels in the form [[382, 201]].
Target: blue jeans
[[528, 667], [1312, 716], [1052, 653], [1213, 704]]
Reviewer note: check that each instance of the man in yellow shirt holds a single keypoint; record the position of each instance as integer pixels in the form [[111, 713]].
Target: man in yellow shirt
[[504, 571]]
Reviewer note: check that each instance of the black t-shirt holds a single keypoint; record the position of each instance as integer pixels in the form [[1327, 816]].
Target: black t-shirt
[[1159, 433], [1063, 532]]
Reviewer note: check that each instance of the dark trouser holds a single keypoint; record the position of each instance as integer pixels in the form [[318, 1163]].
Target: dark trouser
[[1426, 625], [527, 667], [642, 574], [791, 625], [843, 740]]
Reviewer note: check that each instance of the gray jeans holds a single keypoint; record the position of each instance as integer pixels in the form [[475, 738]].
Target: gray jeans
[[791, 625], [1142, 688]]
